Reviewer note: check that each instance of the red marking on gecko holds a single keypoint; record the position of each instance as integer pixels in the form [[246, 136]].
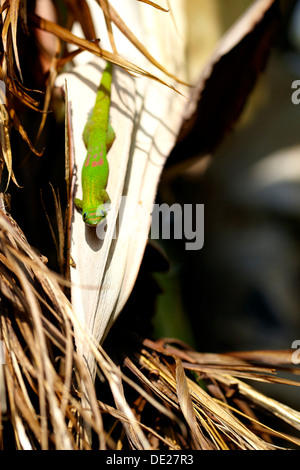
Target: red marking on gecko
[[100, 162], [87, 160], [97, 160]]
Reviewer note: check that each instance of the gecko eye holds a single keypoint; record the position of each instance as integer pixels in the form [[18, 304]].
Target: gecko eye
[[84, 216], [101, 212]]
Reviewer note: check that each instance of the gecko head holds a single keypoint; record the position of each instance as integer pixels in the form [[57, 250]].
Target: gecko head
[[94, 217]]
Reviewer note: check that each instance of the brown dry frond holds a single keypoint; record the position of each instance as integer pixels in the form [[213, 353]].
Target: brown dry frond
[[155, 5], [44, 382], [198, 401], [11, 14], [219, 410], [92, 47]]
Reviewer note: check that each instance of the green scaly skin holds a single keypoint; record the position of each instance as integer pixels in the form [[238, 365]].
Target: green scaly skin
[[98, 136]]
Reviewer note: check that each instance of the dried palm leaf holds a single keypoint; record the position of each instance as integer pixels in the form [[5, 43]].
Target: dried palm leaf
[[155, 5], [215, 403], [136, 161], [42, 322], [70, 38]]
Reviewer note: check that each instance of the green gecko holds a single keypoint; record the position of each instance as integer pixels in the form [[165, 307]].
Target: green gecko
[[98, 136]]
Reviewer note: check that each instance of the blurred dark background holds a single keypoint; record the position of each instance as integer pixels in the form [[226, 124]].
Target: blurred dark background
[[241, 291]]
